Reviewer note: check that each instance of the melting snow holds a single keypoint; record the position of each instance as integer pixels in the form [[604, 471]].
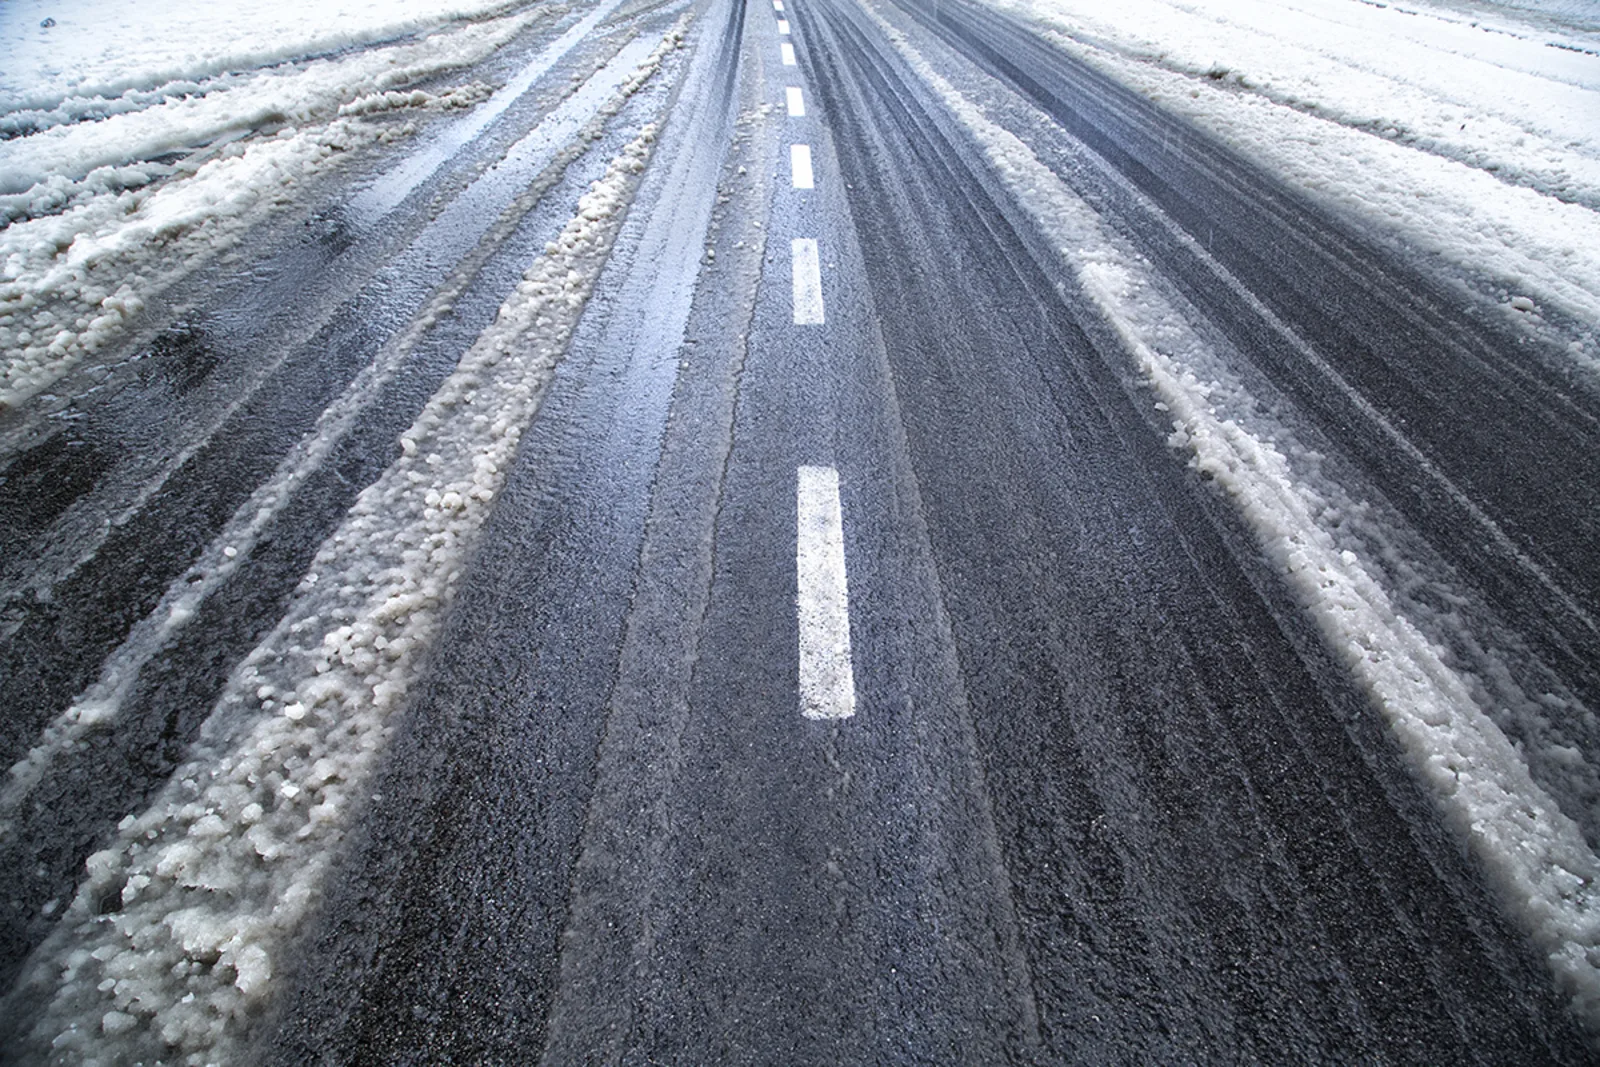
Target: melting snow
[[100, 214]]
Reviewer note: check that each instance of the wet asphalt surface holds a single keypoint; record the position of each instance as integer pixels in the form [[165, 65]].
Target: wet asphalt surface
[[1106, 798]]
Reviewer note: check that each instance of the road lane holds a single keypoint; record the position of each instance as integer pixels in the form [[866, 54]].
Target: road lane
[[1137, 684], [476, 897], [816, 893], [285, 461], [1121, 759], [1092, 731]]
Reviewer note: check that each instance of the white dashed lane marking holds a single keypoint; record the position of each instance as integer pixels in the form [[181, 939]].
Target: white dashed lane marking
[[800, 166], [807, 282], [827, 682]]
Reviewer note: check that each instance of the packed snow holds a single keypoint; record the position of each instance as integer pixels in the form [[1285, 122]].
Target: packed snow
[[1466, 132]]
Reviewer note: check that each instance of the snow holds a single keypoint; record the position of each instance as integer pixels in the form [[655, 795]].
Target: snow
[[72, 278], [105, 210], [467, 222], [1535, 854], [101, 56], [219, 873], [1469, 134]]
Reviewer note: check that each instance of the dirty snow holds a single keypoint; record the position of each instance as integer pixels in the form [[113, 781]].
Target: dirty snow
[[561, 134], [222, 868], [103, 212]]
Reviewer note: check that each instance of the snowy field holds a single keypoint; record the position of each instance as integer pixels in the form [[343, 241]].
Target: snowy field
[[1468, 132]]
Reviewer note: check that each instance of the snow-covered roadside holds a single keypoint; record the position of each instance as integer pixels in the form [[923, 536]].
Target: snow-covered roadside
[[103, 57], [72, 278], [1474, 143], [42, 173], [1537, 857], [217, 876]]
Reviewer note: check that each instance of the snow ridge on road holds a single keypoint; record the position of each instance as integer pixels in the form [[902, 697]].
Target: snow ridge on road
[[217, 876]]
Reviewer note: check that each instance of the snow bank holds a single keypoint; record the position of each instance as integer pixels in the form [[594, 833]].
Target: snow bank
[[1536, 856], [218, 875], [72, 277], [288, 95], [1477, 145], [101, 56]]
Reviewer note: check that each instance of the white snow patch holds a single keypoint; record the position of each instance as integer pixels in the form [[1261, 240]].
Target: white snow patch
[[227, 862], [102, 54]]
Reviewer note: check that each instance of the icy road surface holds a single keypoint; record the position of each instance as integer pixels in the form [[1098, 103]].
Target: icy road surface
[[805, 531]]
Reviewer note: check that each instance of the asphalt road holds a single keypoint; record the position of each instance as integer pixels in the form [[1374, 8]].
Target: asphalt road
[[1101, 796]]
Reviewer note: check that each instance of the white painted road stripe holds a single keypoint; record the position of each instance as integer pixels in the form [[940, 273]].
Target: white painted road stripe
[[788, 54], [807, 282], [797, 105], [827, 683], [783, 25], [800, 166]]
